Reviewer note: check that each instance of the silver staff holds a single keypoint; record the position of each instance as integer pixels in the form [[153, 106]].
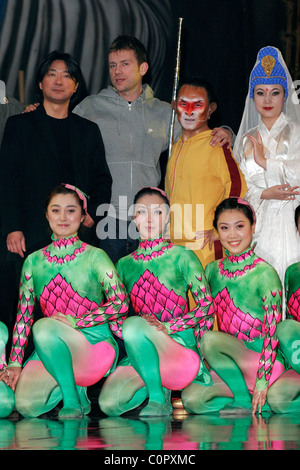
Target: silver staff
[[175, 85]]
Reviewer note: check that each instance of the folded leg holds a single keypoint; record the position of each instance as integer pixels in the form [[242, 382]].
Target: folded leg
[[201, 399], [160, 363], [68, 360], [7, 396]]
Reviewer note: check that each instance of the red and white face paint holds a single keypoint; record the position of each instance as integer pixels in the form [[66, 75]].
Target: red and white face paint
[[193, 109]]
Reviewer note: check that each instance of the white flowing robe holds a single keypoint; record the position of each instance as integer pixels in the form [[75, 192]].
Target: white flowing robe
[[278, 241]]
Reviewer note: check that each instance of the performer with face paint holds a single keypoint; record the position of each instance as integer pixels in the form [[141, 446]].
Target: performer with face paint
[[247, 299], [198, 176], [267, 147], [81, 297], [162, 340]]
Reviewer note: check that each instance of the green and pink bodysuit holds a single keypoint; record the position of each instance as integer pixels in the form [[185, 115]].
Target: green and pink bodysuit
[[79, 281], [247, 295], [158, 276], [292, 291], [288, 385]]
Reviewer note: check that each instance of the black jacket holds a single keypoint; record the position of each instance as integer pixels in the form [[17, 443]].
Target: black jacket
[[30, 169]]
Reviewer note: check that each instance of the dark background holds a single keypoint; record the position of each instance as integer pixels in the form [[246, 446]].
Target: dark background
[[220, 41]]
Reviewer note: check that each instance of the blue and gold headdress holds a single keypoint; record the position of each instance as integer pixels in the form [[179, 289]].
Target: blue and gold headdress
[[268, 71]]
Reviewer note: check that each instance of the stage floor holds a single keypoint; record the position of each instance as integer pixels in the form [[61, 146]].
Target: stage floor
[[172, 435]]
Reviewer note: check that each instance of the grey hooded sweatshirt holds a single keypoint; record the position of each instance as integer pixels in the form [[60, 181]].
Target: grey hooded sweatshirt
[[134, 135]]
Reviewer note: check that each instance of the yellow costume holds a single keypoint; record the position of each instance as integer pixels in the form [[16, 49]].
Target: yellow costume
[[198, 178]]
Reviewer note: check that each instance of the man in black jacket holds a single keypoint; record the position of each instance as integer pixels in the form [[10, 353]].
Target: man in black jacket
[[46, 147]]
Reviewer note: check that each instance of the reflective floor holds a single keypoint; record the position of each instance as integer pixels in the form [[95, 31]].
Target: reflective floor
[[180, 432]]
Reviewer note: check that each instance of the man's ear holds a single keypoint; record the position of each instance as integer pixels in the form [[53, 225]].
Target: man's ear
[[173, 104], [144, 68], [212, 107]]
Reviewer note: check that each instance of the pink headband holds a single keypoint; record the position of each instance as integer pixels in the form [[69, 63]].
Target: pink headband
[[163, 193], [245, 203], [79, 193]]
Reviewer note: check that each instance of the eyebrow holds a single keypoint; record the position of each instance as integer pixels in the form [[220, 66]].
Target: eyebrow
[[271, 89], [58, 205], [55, 70], [227, 223], [123, 60], [153, 206], [195, 100]]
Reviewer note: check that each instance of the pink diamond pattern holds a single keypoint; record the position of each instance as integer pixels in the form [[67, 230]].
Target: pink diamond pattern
[[149, 296], [233, 321], [59, 296], [294, 305]]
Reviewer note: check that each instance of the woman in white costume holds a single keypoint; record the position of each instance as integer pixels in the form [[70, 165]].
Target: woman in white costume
[[267, 148]]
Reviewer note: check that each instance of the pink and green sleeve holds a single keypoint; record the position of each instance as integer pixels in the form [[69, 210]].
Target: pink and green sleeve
[[272, 299], [25, 316]]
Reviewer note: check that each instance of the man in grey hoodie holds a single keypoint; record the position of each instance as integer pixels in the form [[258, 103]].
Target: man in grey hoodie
[[135, 128]]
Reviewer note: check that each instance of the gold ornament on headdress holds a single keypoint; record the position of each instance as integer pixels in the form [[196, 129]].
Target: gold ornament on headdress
[[267, 63]]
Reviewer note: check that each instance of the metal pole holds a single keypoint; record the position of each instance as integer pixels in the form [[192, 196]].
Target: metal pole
[[175, 85]]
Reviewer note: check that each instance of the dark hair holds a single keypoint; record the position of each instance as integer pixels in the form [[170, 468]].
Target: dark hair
[[73, 69], [297, 215], [198, 82], [126, 42], [61, 189], [151, 191], [232, 203]]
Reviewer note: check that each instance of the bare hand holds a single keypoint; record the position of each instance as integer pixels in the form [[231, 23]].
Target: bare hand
[[281, 192], [153, 321], [258, 399], [209, 237], [62, 318], [221, 136], [10, 376], [15, 243], [31, 107], [258, 150]]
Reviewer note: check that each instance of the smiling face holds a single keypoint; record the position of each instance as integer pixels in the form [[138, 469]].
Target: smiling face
[[64, 215], [126, 74], [57, 85], [235, 231], [269, 101], [193, 109], [151, 216]]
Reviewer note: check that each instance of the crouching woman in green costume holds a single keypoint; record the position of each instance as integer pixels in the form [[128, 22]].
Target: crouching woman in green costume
[[287, 397], [247, 292], [81, 296], [162, 340]]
